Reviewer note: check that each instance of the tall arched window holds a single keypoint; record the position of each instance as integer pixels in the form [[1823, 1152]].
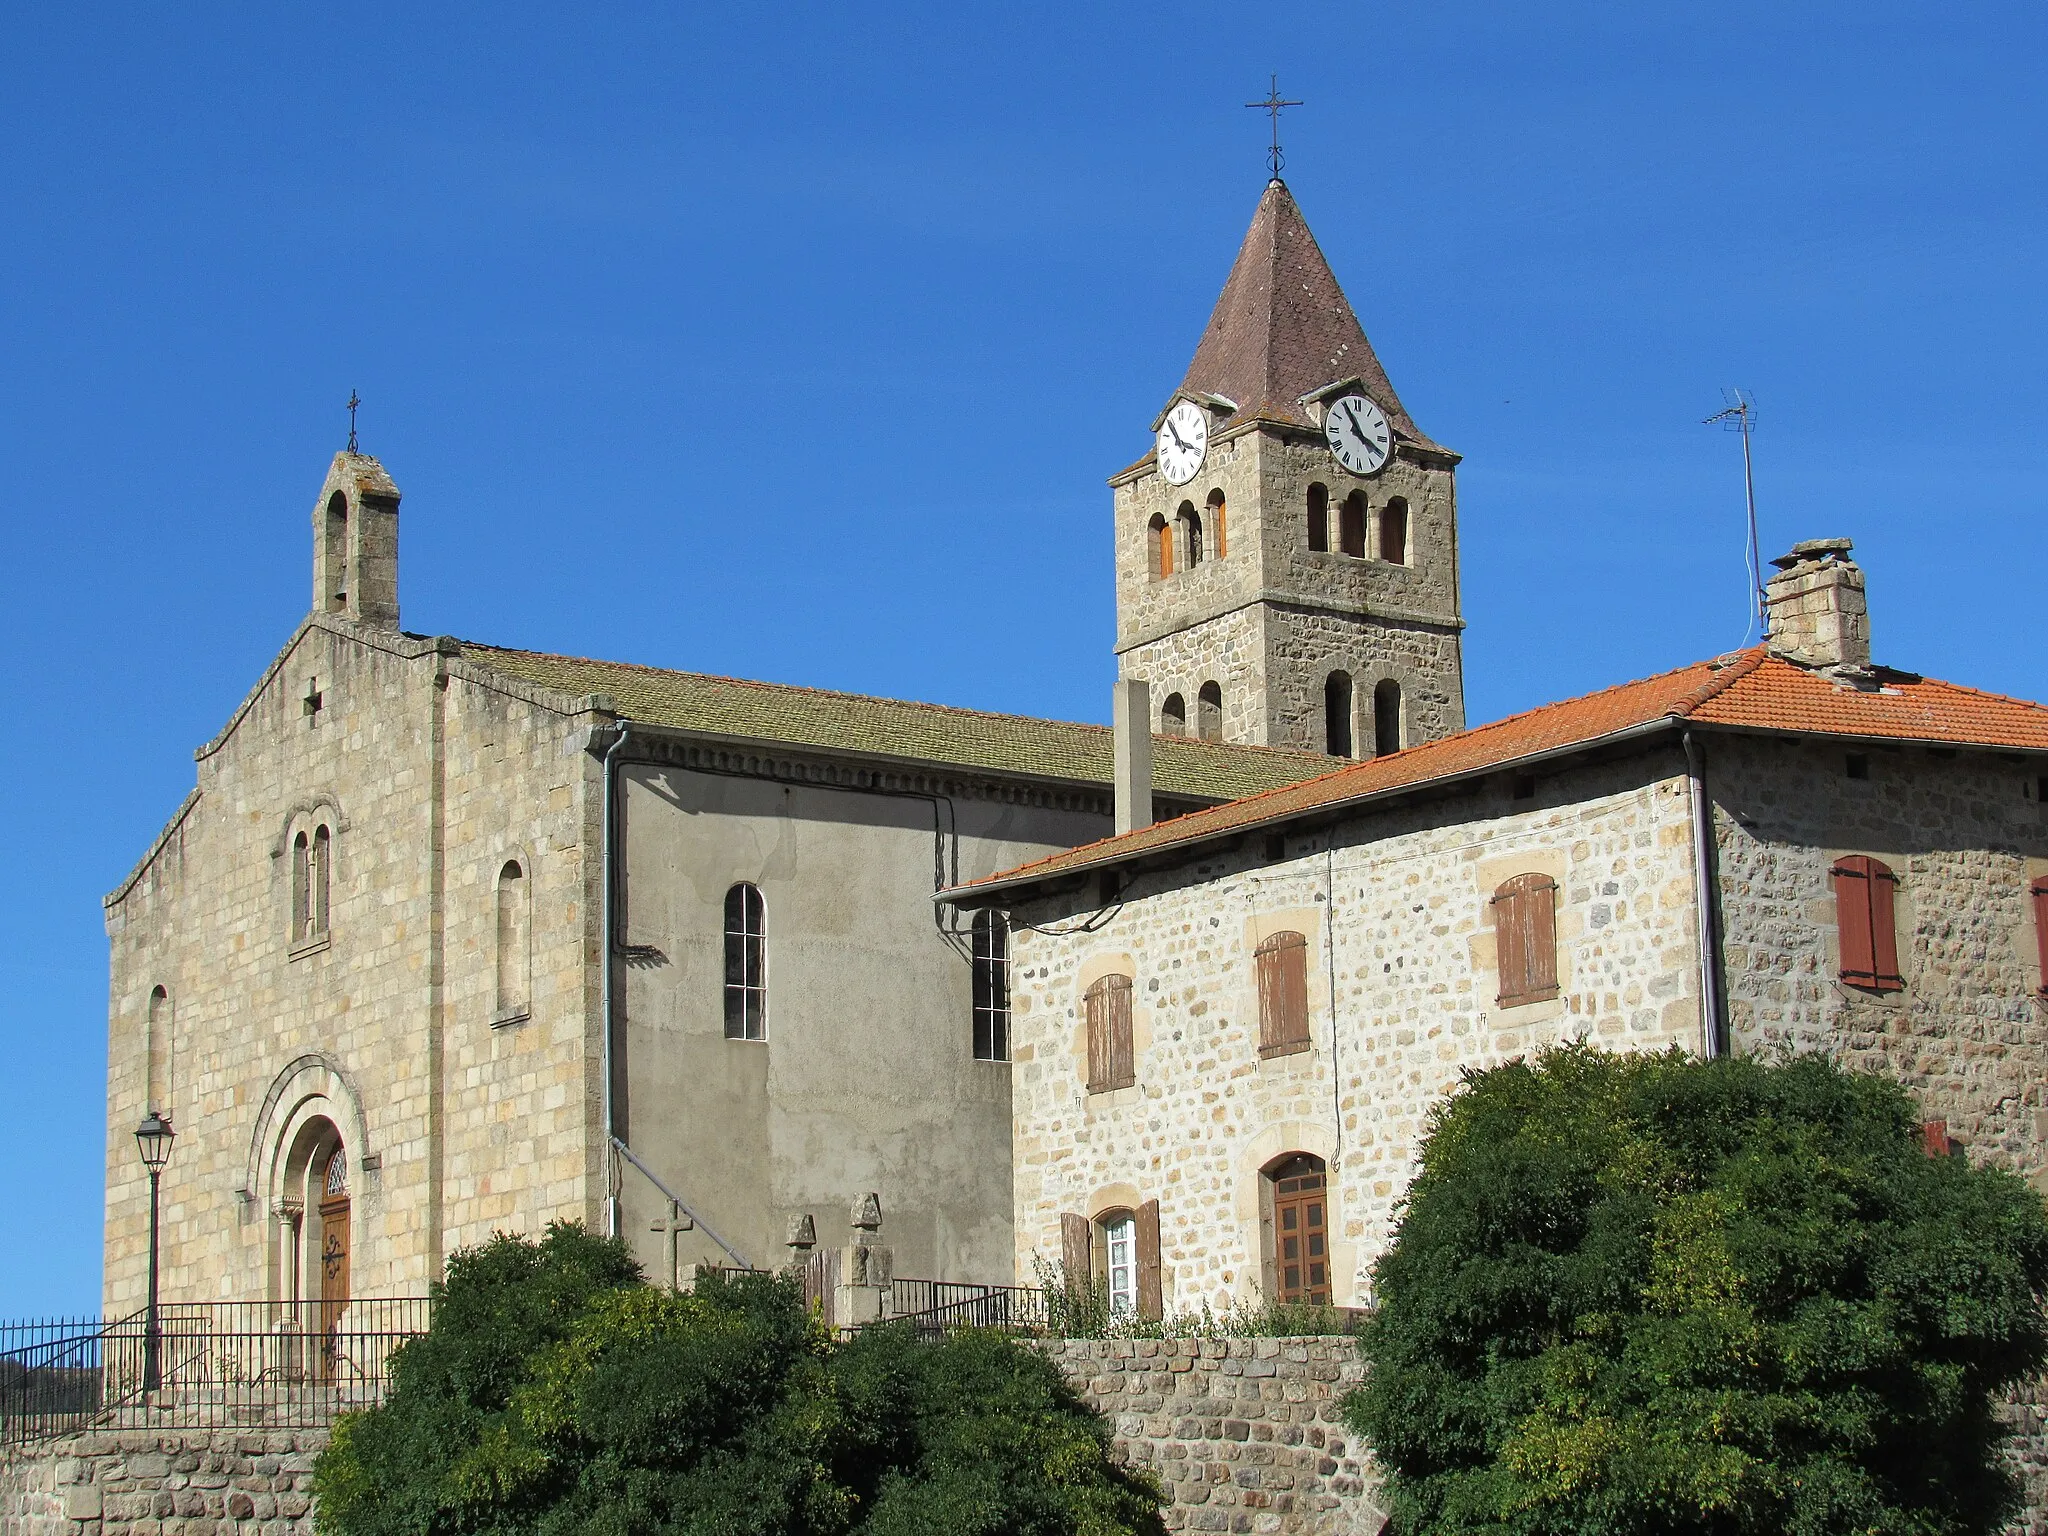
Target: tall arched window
[[1209, 712], [746, 977], [1394, 531], [1173, 716], [1190, 536], [321, 875], [1337, 714], [1386, 717], [1319, 518], [157, 1091], [1351, 525], [515, 963], [1216, 521], [336, 535], [302, 888], [991, 987], [1159, 537], [1298, 1195]]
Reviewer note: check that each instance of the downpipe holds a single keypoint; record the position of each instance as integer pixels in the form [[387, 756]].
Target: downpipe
[[1706, 900], [608, 863]]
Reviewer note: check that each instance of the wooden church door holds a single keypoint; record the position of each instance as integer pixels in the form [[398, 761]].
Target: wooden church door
[[334, 1250]]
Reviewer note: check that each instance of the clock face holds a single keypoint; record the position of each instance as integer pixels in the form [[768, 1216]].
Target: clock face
[[1358, 434], [1183, 439]]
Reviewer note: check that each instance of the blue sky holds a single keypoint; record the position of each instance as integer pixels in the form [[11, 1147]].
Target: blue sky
[[796, 343]]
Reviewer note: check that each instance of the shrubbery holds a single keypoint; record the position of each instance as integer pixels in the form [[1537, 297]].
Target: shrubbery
[[557, 1395], [1637, 1294]]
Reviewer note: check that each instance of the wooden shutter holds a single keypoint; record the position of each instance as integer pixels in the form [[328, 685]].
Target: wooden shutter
[[1151, 1289], [1934, 1138], [2040, 895], [1281, 964], [1075, 1259], [1108, 1006], [1525, 932], [1866, 924]]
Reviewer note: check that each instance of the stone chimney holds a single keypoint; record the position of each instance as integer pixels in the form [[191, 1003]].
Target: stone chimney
[[1816, 613], [355, 542], [1132, 716]]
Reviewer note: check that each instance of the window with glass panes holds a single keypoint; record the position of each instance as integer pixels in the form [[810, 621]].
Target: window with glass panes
[[1120, 1253], [991, 987], [746, 982], [1301, 1242]]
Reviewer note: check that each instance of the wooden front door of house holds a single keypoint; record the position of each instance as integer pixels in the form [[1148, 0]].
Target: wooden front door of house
[[1301, 1232], [334, 1252]]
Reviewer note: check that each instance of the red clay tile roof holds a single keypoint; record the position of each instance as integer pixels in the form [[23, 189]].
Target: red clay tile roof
[[1283, 327], [1749, 690]]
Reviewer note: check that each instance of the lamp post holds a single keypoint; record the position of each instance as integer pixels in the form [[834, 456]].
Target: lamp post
[[153, 1139]]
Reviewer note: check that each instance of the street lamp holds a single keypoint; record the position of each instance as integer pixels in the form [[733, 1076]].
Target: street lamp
[[153, 1139]]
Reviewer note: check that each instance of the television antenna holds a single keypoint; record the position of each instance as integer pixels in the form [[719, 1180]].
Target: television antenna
[[1739, 415]]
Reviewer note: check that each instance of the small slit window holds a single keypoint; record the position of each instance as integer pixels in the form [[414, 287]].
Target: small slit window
[[1865, 925], [746, 982], [1216, 522], [1386, 717], [991, 987], [514, 954], [1190, 536], [1281, 964], [1351, 525], [1209, 712], [158, 1088], [1319, 519], [1525, 936], [1159, 538], [1394, 532], [1337, 714], [1107, 1005]]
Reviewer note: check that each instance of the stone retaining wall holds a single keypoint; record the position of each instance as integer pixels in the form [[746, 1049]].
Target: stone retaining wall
[[1242, 1434], [149, 1482]]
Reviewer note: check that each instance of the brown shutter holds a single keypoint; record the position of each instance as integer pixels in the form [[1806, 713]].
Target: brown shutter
[[1075, 1260], [1884, 934], [1122, 1066], [1108, 1007], [1866, 924], [1525, 933], [2040, 894], [1934, 1138], [1151, 1290], [1281, 965]]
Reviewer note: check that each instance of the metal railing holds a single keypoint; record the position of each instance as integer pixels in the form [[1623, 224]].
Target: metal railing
[[933, 1306], [286, 1365]]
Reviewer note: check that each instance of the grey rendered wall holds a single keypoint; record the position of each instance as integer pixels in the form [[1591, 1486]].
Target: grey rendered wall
[[866, 1080]]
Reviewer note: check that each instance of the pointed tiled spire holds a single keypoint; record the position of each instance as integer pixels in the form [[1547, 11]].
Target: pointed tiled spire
[[1283, 327]]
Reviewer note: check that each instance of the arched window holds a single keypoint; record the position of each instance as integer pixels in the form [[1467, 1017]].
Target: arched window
[[1386, 717], [1173, 716], [1351, 525], [1298, 1195], [1216, 521], [1394, 531], [1319, 518], [1525, 937], [320, 871], [1281, 964], [1337, 714], [1107, 1005], [991, 987], [746, 978], [515, 961], [1120, 1260], [302, 888], [157, 1090], [1160, 539], [1190, 536], [336, 534], [1865, 923], [1209, 712]]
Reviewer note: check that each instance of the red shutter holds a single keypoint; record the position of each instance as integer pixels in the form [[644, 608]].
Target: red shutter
[[1934, 1137], [1151, 1289], [1884, 934], [1865, 923], [2040, 893], [1075, 1259]]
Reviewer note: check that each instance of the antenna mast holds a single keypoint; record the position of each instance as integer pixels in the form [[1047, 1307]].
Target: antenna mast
[[1740, 416]]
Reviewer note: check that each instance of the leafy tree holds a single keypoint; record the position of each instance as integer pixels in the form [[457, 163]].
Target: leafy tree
[[1653, 1294], [557, 1395]]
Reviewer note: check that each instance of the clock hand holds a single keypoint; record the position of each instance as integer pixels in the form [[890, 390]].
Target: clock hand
[[1178, 438]]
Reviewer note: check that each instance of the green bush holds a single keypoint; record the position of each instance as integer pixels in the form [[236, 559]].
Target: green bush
[[557, 1395], [1077, 1307], [1636, 1294]]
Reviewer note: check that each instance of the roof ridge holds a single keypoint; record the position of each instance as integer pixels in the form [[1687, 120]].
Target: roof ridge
[[1720, 680], [1981, 693], [880, 698]]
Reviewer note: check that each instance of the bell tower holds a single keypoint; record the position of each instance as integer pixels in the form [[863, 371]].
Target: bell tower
[[1287, 556], [355, 542]]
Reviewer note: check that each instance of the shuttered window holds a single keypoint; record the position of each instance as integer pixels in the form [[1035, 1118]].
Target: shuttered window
[[1281, 963], [1151, 1287], [1525, 931], [1865, 926], [1108, 1006], [2040, 895]]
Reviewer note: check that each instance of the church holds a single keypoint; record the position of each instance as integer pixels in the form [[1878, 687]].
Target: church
[[452, 937]]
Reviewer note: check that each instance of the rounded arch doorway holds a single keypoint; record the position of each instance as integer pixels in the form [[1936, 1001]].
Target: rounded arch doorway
[[317, 1232]]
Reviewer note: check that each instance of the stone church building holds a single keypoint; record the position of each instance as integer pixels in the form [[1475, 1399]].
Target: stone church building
[[452, 937]]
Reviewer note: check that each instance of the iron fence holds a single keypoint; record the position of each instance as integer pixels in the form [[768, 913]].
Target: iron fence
[[285, 1365], [933, 1306]]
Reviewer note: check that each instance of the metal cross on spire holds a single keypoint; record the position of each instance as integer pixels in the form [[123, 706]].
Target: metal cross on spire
[[1272, 104], [353, 402]]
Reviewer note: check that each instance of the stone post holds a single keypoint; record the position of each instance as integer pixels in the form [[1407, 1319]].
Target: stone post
[[866, 1269]]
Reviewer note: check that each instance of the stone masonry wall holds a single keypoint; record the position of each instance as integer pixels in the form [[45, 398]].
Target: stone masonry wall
[[1242, 1434], [151, 1482]]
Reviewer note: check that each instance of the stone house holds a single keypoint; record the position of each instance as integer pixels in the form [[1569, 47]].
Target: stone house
[[1230, 1026]]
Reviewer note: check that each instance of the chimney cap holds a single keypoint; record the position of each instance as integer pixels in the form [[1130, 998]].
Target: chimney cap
[[1813, 549]]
